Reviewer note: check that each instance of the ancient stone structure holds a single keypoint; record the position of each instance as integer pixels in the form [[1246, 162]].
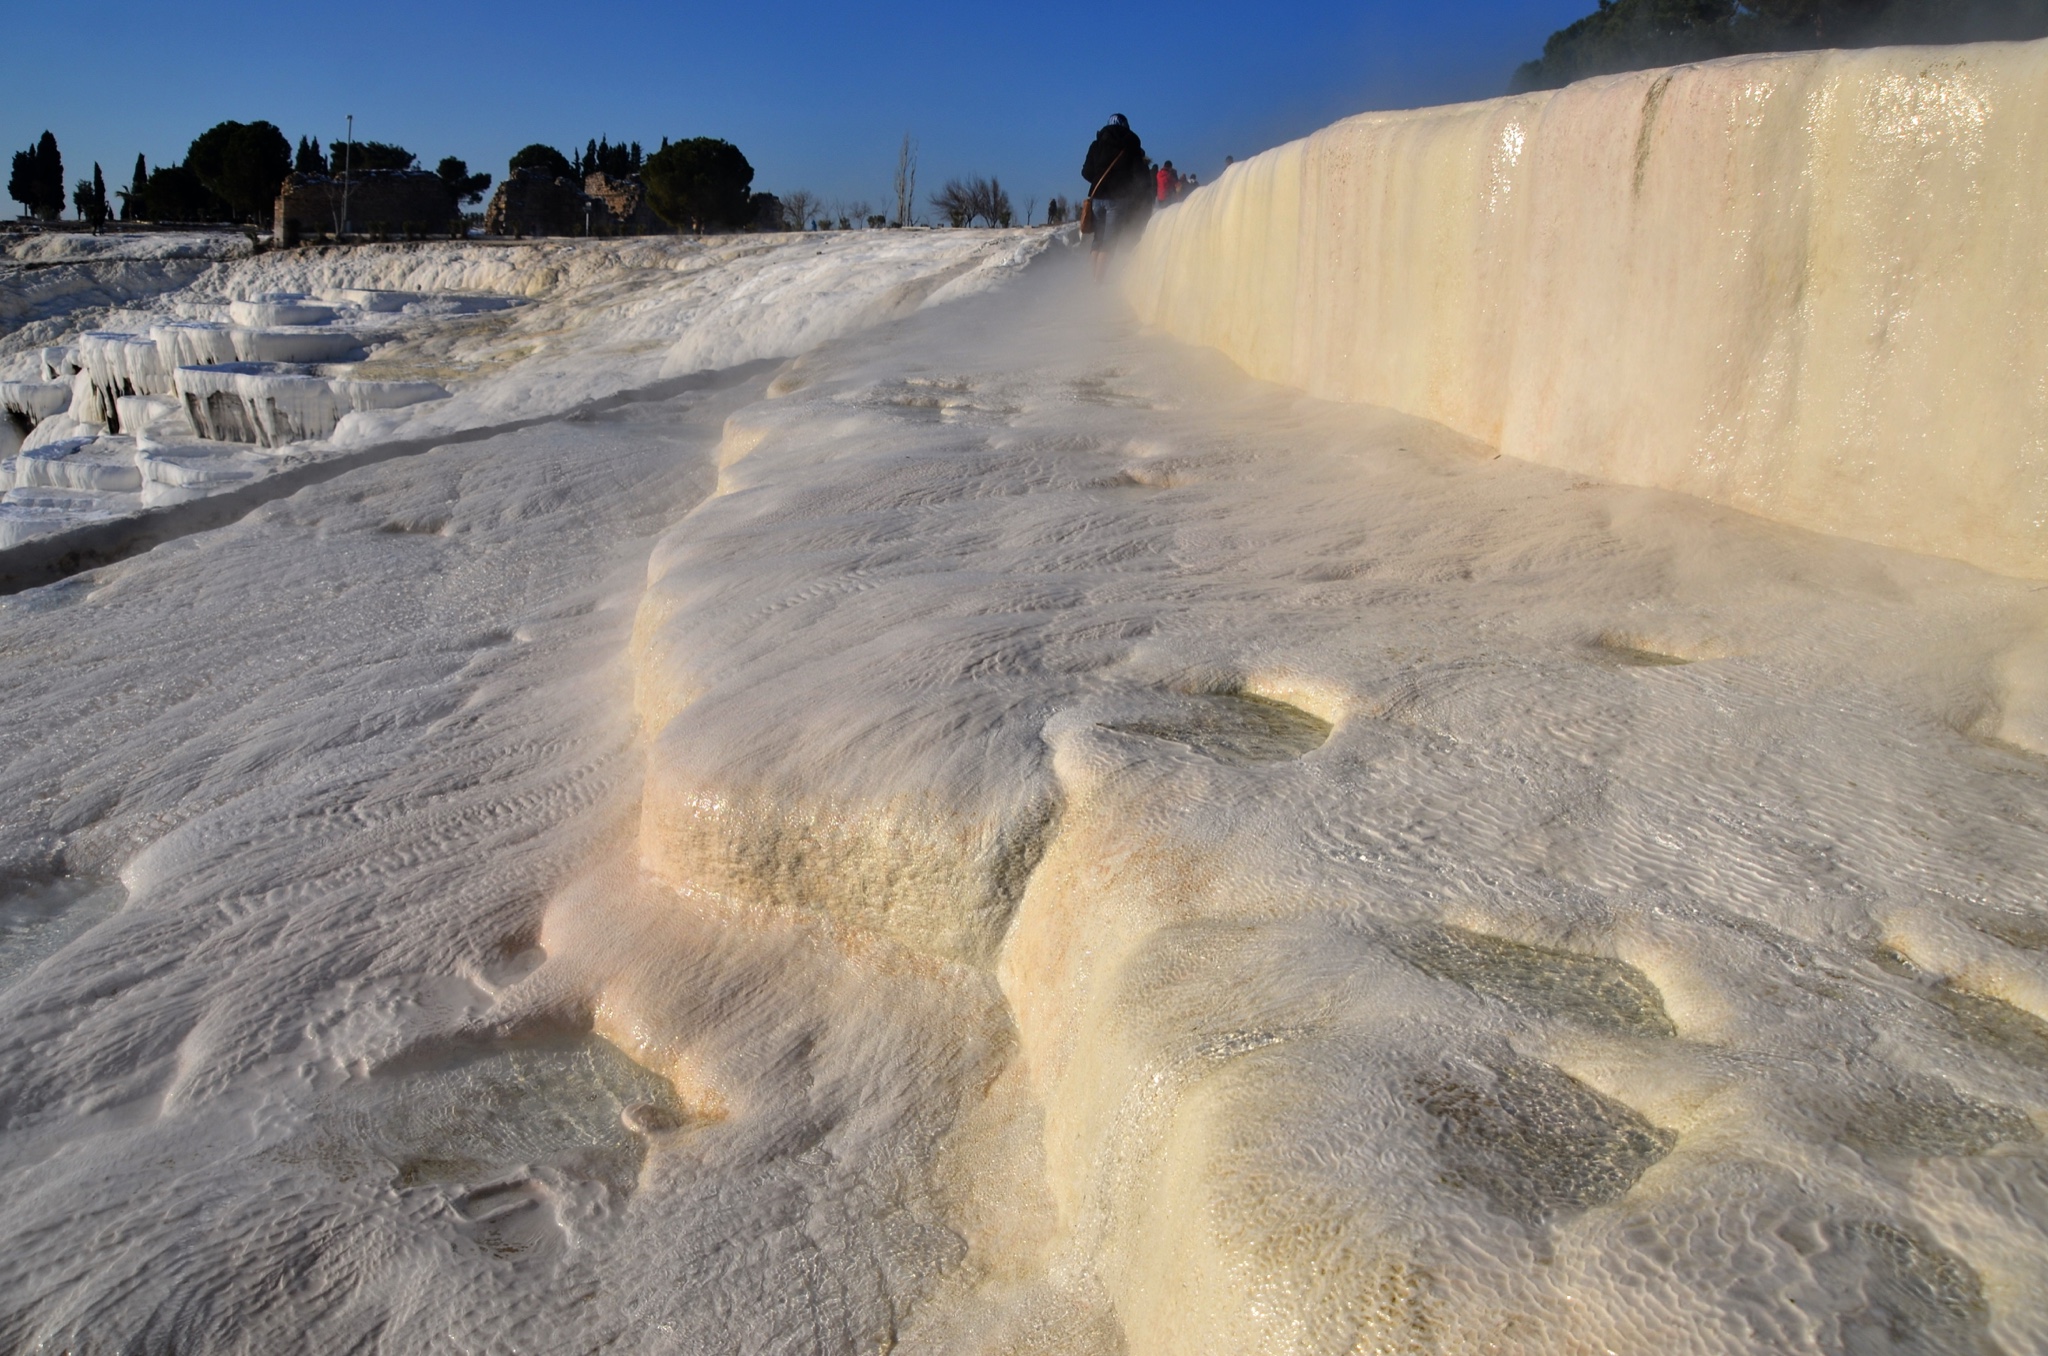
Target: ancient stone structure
[[621, 205], [386, 202], [534, 202]]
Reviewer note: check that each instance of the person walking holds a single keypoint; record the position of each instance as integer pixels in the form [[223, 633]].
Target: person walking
[[1118, 177]]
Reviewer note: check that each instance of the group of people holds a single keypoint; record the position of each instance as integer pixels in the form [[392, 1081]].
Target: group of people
[[1124, 187], [1172, 186]]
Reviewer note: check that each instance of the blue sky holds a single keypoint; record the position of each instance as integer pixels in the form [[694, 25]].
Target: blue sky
[[817, 95]]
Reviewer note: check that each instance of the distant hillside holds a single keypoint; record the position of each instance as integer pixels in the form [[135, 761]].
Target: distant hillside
[[1627, 35]]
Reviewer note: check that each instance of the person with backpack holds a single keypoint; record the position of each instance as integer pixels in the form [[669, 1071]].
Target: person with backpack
[[1119, 177]]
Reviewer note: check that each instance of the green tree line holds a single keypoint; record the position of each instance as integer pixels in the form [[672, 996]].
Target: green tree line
[[698, 184], [1627, 35], [231, 172]]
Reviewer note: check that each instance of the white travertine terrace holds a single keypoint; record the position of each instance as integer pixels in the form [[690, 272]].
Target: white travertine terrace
[[194, 343], [24, 404], [1439, 904], [279, 308], [275, 404], [1000, 836], [258, 336], [73, 465], [1811, 286]]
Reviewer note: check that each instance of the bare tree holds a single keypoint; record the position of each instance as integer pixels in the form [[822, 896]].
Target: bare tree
[[955, 202], [1030, 210], [963, 202], [906, 181], [856, 212], [798, 207]]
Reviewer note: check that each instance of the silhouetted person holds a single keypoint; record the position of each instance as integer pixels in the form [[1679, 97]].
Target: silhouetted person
[[1119, 184]]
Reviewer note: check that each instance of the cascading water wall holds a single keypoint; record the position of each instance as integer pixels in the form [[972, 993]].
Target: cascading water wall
[[1812, 286]]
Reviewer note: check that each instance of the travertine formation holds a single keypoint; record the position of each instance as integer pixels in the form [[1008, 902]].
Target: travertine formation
[[1812, 286]]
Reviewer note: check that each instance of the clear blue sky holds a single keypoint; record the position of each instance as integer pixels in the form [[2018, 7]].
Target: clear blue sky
[[817, 95]]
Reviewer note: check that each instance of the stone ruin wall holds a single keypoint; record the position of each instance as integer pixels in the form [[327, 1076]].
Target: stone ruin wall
[[389, 200]]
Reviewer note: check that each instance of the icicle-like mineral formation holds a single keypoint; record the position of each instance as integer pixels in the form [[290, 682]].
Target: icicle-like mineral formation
[[193, 343], [23, 405], [112, 366], [274, 404]]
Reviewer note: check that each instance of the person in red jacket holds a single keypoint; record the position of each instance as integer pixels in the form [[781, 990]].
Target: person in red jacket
[[1169, 183]]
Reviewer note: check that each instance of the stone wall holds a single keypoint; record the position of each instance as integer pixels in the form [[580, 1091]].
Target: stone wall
[[391, 201], [623, 205], [533, 202]]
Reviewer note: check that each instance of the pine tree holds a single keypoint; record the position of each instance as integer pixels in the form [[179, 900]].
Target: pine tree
[[463, 187], [700, 184], [634, 159], [243, 164], [307, 160]]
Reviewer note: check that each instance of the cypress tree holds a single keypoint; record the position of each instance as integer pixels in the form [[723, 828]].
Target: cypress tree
[[38, 179], [131, 201], [53, 176], [90, 198]]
